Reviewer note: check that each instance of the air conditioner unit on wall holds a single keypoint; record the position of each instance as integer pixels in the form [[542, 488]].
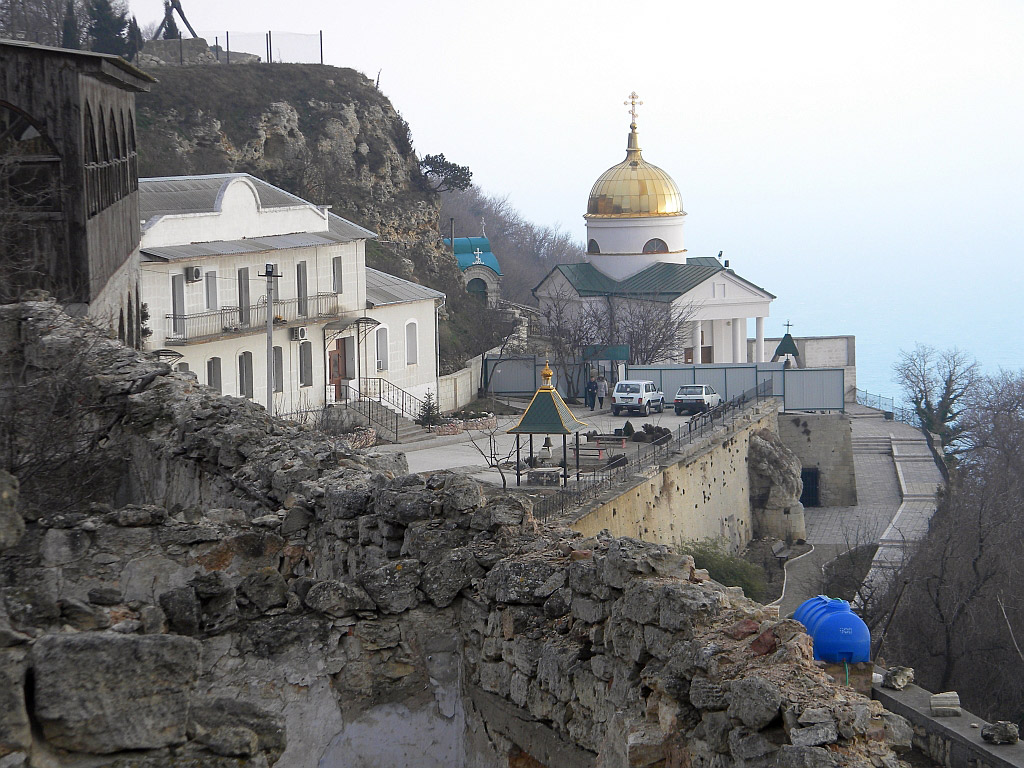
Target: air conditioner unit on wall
[[299, 333], [193, 274]]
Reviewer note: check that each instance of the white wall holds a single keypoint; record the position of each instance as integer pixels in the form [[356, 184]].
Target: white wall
[[417, 378], [156, 280]]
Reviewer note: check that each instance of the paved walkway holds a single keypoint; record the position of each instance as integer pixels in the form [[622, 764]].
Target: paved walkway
[[896, 483]]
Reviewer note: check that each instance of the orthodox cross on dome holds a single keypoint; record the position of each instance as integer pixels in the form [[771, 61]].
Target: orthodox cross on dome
[[633, 103], [478, 253]]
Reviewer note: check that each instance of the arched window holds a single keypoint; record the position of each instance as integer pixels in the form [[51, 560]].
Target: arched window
[[31, 165], [412, 344], [120, 328], [656, 245], [382, 348], [131, 322], [593, 247], [478, 289], [245, 388]]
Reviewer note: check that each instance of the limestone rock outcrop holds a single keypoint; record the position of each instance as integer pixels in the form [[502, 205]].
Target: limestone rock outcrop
[[775, 488], [189, 618]]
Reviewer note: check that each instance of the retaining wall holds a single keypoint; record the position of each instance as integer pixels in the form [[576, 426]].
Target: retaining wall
[[824, 441]]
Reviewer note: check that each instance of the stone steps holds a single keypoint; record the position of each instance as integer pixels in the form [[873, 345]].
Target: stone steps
[[870, 444]]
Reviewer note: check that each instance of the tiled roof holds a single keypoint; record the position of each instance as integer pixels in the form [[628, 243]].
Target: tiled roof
[[177, 195], [662, 281], [190, 251], [382, 288]]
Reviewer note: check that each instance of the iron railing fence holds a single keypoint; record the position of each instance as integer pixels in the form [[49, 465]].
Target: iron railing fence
[[888, 405], [391, 396], [592, 483], [378, 416], [184, 329]]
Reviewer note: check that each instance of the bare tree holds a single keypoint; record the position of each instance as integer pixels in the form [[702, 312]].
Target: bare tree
[[939, 383], [654, 330], [962, 609], [571, 324]]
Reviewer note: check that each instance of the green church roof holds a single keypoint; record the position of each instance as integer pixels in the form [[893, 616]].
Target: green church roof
[[662, 281], [786, 347], [466, 253]]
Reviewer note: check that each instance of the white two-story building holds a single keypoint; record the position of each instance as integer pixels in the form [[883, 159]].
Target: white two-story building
[[338, 327]]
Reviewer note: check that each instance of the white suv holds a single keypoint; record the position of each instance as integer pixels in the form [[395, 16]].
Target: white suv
[[637, 395]]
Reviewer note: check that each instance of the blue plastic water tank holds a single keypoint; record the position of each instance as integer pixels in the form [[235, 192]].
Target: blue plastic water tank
[[838, 633]]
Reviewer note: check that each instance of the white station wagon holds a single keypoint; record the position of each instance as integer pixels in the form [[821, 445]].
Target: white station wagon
[[637, 395]]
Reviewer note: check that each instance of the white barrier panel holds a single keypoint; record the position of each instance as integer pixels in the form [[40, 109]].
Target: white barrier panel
[[814, 389]]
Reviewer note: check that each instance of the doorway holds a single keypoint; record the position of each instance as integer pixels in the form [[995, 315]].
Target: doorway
[[810, 477]]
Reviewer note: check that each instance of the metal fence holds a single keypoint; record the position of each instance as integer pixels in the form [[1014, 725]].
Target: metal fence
[[588, 485], [274, 47], [888, 405]]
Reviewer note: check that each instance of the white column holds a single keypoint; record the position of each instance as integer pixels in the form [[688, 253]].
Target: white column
[[759, 340], [695, 341], [738, 340]]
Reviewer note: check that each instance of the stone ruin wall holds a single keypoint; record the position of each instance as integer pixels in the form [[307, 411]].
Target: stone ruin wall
[[256, 594]]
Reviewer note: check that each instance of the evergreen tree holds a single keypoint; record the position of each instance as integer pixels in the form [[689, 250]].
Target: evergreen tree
[[170, 27], [134, 40], [71, 35], [107, 27]]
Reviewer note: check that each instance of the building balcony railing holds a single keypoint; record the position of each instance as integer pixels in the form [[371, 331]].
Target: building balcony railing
[[237, 321]]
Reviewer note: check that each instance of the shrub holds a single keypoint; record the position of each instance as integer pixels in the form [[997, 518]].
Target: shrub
[[725, 567], [430, 414], [627, 429]]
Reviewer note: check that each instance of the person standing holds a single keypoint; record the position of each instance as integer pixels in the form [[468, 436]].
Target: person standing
[[602, 390], [591, 392]]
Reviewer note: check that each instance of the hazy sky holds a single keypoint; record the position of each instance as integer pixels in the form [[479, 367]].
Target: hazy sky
[[862, 161]]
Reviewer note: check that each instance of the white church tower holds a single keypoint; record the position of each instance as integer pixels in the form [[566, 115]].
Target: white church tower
[[635, 214]]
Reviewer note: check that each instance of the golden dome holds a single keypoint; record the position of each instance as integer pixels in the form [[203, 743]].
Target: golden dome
[[634, 188]]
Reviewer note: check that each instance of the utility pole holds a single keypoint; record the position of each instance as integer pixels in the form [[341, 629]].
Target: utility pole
[[269, 274]]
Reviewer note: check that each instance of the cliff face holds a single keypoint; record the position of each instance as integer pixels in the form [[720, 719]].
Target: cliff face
[[324, 133], [238, 591]]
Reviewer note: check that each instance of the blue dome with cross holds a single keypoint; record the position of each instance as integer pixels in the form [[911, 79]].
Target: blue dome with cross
[[474, 251]]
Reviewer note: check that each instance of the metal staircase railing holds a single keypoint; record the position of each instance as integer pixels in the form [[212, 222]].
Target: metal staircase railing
[[380, 416], [391, 396]]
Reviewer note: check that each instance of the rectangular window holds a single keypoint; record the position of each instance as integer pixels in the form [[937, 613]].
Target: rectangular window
[[305, 364], [301, 288], [339, 283], [178, 305], [278, 369], [211, 290], [243, 297], [245, 375], [411, 345], [382, 349], [213, 374]]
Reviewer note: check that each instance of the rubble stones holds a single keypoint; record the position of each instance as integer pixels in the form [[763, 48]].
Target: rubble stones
[[755, 701], [338, 598], [394, 586], [12, 525], [898, 678], [15, 727], [1001, 732], [814, 735], [102, 693], [265, 589]]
